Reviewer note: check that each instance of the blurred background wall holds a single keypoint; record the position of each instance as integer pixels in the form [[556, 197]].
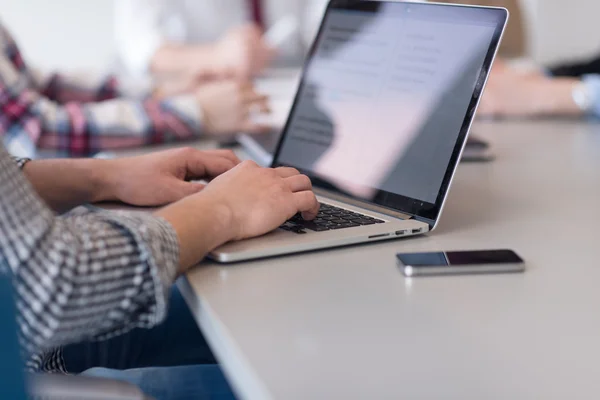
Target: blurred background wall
[[78, 33], [62, 33]]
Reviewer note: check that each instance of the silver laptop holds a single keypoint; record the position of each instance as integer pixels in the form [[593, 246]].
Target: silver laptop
[[380, 119]]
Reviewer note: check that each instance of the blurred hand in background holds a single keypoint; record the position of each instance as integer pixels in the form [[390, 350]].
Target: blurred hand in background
[[229, 106], [516, 93], [242, 53]]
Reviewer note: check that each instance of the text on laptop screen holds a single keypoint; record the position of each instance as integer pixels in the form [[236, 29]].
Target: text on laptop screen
[[384, 97]]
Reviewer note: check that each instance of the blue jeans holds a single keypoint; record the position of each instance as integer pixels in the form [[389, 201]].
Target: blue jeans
[[169, 362], [196, 382]]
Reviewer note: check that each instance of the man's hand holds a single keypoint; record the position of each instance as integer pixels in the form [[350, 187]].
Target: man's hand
[[242, 53], [512, 93], [161, 178], [245, 202], [261, 199], [151, 180], [228, 107]]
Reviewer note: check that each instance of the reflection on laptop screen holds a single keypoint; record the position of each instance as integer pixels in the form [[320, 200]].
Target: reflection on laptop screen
[[385, 96]]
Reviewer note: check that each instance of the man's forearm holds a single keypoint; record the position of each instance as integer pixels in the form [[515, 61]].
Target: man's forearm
[[201, 225], [56, 263], [175, 59], [557, 98], [64, 184]]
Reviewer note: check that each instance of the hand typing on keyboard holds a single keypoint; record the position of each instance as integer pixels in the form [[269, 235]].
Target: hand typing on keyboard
[[329, 218]]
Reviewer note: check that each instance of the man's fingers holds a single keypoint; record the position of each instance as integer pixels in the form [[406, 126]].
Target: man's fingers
[[179, 190], [251, 97], [261, 106], [307, 204], [246, 86], [286, 172], [190, 188], [215, 166], [254, 128], [208, 166], [299, 183], [230, 155]]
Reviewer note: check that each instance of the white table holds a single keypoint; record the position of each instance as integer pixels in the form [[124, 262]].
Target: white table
[[345, 324]]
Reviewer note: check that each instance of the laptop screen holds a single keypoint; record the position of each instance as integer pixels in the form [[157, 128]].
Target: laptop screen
[[387, 97]]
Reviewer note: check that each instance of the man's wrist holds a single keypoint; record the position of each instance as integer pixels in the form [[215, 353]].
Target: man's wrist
[[206, 62], [558, 98], [202, 223], [80, 181], [221, 216], [103, 178]]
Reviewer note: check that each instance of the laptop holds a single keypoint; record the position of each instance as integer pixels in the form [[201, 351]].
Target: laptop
[[261, 147], [382, 112]]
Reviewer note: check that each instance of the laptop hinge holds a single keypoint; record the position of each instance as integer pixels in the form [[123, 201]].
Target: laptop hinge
[[362, 204]]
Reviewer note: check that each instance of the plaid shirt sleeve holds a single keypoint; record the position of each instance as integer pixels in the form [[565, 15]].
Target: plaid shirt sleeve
[[76, 87], [81, 276], [77, 129]]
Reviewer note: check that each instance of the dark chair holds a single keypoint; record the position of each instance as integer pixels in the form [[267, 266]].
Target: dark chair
[[16, 385]]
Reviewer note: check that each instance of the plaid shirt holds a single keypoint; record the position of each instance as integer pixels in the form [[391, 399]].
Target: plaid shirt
[[85, 275], [78, 116]]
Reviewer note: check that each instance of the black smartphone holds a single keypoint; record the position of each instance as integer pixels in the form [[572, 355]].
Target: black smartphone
[[477, 150], [460, 262], [477, 143]]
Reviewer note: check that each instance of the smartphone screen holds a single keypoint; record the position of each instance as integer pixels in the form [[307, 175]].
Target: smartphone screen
[[449, 262], [448, 258]]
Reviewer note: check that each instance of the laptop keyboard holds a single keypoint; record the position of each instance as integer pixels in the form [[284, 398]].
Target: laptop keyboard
[[329, 218]]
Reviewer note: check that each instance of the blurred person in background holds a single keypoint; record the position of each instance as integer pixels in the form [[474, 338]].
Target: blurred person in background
[[570, 90], [77, 116], [190, 40]]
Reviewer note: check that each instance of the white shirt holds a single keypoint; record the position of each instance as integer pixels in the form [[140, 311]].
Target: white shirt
[[142, 26]]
